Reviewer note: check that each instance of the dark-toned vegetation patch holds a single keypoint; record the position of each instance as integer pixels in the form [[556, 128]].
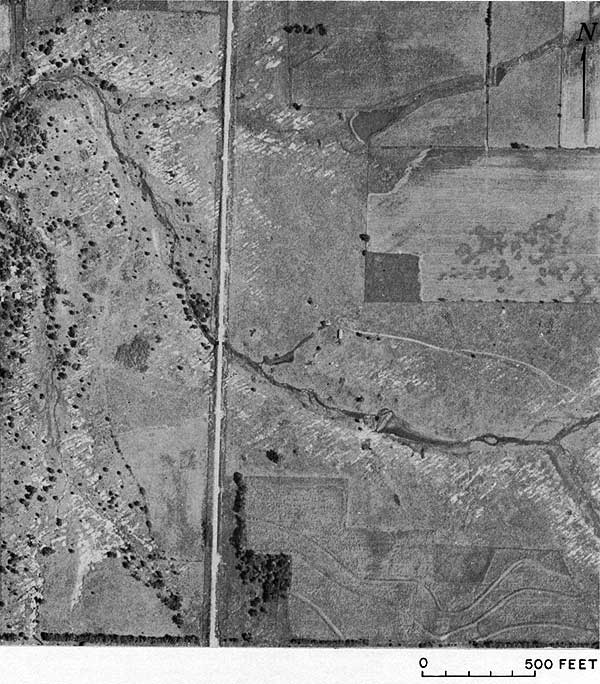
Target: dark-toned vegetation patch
[[134, 354], [120, 639], [267, 575], [392, 277]]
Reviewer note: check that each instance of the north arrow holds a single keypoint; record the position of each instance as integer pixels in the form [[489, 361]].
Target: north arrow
[[583, 59]]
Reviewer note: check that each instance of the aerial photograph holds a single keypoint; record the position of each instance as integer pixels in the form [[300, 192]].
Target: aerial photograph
[[300, 323]]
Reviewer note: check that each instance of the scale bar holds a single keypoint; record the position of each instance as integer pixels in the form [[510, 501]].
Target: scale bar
[[491, 675]]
